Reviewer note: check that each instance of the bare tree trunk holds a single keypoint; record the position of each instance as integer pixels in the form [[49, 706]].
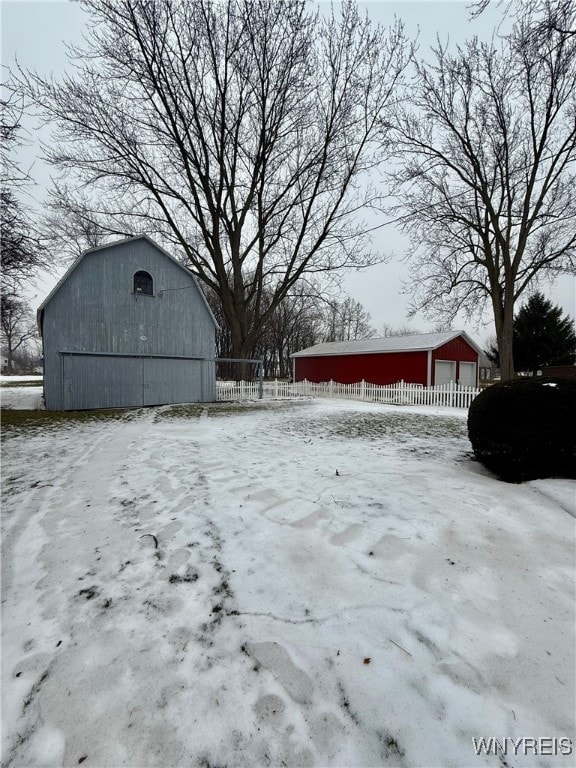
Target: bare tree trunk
[[504, 334], [503, 313], [9, 353]]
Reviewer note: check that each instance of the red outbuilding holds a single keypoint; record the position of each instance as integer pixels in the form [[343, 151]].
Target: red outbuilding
[[429, 359]]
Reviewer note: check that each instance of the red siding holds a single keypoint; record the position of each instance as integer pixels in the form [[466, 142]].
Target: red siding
[[457, 349], [383, 368], [387, 368]]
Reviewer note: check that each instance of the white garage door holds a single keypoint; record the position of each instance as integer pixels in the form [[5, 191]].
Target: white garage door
[[468, 374], [444, 372]]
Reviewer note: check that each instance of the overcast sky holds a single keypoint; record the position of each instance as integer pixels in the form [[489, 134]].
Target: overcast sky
[[36, 31]]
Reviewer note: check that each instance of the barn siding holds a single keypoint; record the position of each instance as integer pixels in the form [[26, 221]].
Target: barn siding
[[386, 368], [95, 310], [111, 381], [457, 350]]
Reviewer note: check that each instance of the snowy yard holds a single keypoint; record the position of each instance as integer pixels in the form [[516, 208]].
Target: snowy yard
[[18, 392], [335, 584]]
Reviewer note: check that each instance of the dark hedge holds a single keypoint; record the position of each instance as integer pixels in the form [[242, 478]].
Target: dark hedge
[[525, 428]]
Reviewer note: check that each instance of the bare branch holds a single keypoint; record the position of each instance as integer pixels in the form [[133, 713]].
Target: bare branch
[[240, 132], [488, 155]]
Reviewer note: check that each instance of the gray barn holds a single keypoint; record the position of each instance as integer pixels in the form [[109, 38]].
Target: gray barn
[[127, 325]]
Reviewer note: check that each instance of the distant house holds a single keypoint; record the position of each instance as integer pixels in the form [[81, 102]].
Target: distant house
[[428, 359], [127, 325]]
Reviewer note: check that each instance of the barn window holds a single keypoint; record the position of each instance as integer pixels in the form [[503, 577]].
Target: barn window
[[143, 283]]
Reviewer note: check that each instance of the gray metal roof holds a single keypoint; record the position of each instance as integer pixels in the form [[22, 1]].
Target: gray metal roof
[[417, 343]]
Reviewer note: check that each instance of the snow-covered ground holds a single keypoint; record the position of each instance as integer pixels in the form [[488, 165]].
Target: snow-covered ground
[[15, 396], [334, 584]]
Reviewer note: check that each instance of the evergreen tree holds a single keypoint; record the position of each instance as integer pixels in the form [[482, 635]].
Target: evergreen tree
[[542, 336]]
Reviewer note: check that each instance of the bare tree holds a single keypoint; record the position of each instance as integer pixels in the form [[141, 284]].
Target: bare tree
[[239, 131], [487, 173], [295, 316], [547, 15], [17, 327], [22, 252], [67, 226], [305, 317], [346, 319], [403, 330]]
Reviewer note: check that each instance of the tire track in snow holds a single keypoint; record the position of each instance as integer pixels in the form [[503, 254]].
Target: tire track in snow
[[30, 632], [75, 538]]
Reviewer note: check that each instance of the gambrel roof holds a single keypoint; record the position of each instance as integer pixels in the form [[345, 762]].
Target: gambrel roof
[[421, 342], [114, 244]]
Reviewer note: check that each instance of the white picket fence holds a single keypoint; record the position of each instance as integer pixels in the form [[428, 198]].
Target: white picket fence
[[449, 395]]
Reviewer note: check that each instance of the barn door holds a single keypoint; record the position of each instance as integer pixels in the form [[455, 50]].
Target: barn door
[[101, 382], [171, 381], [444, 372]]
